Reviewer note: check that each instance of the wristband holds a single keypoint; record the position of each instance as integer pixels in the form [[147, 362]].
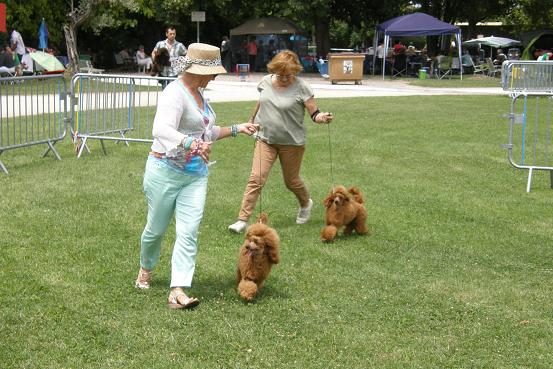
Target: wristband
[[314, 115], [234, 130]]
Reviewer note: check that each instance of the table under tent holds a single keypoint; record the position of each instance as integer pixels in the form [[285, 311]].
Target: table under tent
[[416, 24]]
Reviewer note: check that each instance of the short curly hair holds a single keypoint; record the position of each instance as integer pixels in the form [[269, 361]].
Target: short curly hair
[[285, 62]]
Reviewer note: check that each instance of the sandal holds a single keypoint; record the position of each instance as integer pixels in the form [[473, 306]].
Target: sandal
[[143, 279], [188, 303]]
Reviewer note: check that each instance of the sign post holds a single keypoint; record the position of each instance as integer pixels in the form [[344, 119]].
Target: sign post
[[198, 17]]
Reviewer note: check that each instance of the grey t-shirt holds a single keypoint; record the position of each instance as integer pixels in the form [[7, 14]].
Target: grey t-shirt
[[281, 112]]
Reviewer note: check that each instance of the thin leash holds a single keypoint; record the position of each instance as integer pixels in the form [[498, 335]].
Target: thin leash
[[257, 143], [330, 155]]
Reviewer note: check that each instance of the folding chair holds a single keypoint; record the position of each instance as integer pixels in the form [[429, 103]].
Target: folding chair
[[399, 66], [85, 65], [467, 62], [444, 67], [7, 72], [492, 68], [455, 65]]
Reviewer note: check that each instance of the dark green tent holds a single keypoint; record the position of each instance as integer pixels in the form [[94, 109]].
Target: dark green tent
[[536, 40]]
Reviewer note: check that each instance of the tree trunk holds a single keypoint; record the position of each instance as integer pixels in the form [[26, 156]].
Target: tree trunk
[[76, 17], [322, 37], [71, 42]]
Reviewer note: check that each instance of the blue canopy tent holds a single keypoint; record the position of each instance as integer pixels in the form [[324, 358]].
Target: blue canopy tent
[[416, 24]]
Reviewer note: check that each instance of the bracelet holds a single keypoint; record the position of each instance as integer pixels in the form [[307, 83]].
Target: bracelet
[[234, 130], [314, 115], [187, 142]]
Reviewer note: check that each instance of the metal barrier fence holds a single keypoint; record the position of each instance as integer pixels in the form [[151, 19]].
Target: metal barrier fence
[[530, 144], [33, 111], [525, 76], [113, 107]]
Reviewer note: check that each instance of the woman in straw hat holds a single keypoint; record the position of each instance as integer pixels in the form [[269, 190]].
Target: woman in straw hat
[[283, 99], [175, 178]]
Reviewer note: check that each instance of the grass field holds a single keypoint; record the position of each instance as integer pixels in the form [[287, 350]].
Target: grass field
[[469, 80], [458, 271]]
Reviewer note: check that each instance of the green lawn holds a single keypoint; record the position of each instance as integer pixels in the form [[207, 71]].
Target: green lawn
[[469, 80], [457, 273]]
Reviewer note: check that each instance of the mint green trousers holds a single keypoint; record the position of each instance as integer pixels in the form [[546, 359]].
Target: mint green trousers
[[169, 192]]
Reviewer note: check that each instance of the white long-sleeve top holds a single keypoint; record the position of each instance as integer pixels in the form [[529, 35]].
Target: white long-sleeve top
[[178, 116]]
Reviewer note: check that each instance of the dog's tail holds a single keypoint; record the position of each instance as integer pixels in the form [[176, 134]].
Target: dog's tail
[[247, 289], [356, 193], [263, 218]]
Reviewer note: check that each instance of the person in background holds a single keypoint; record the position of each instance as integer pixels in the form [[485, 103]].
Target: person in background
[[271, 50], [500, 57], [7, 61], [399, 48], [17, 44], [260, 60], [411, 50], [380, 55], [175, 178], [283, 98], [142, 58], [175, 50], [226, 53], [125, 54], [545, 55], [251, 48]]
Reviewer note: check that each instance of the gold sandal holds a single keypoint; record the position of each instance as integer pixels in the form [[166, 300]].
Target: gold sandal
[[173, 301], [143, 279]]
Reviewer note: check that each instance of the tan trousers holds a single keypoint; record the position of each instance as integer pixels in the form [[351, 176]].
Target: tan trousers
[[264, 157]]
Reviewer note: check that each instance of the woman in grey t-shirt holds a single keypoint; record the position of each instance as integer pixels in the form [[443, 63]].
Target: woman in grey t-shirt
[[283, 98]]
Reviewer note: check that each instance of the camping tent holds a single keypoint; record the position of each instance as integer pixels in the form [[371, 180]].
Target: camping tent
[[536, 40], [416, 24]]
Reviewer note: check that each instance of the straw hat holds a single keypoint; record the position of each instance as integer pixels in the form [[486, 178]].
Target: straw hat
[[200, 59]]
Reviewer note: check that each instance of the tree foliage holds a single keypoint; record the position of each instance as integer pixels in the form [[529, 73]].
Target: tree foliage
[[529, 15], [332, 23], [25, 16]]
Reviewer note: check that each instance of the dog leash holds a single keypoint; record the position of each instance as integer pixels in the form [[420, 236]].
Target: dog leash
[[256, 142], [330, 155]]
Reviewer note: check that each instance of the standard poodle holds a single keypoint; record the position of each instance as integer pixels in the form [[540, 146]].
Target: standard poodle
[[257, 255], [344, 208]]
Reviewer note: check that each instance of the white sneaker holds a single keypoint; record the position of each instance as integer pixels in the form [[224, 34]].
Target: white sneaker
[[304, 213], [238, 227]]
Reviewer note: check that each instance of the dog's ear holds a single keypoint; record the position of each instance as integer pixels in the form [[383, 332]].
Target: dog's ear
[[328, 201], [272, 243], [356, 193]]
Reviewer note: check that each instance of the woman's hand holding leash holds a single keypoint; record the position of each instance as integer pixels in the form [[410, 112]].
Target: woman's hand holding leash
[[248, 128], [319, 117], [325, 117]]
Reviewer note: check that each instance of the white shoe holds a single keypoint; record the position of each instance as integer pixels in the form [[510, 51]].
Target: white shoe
[[238, 227], [304, 213]]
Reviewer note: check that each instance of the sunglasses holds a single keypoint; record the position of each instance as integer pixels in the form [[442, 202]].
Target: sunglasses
[[285, 76]]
